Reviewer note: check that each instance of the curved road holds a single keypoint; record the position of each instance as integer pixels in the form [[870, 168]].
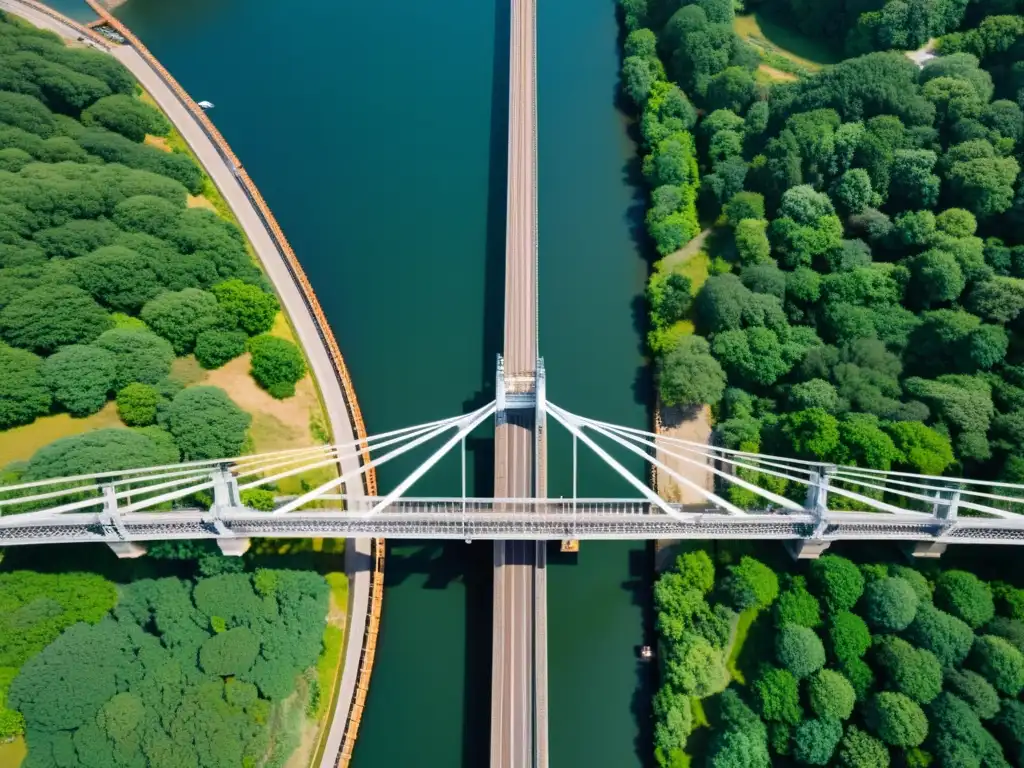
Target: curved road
[[273, 261]]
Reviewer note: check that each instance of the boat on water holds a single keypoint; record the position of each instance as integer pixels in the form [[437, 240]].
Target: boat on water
[[646, 653], [206, 104]]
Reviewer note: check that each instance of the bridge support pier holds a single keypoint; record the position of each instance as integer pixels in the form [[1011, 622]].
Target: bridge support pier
[[931, 549], [807, 549], [127, 549], [234, 547]]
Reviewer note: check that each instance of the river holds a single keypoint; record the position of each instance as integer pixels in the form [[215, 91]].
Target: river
[[377, 135]]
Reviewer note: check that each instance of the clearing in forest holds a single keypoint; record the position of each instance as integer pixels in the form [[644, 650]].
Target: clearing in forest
[[767, 32]]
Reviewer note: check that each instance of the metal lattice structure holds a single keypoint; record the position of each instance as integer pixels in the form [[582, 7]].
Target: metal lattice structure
[[207, 499]]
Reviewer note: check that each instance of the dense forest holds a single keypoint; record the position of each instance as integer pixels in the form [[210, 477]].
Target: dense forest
[[180, 673], [107, 275], [853, 666], [866, 230]]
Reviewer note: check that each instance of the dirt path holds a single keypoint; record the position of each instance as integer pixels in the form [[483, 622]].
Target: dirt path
[[687, 251], [777, 74]]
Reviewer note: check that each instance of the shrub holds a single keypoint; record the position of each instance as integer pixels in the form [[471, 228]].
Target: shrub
[[80, 377], [215, 347], [860, 676], [277, 364], [1010, 630], [751, 584], [130, 117], [250, 308], [965, 596], [889, 604], [896, 719], [181, 316], [975, 690], [695, 668], [848, 636], [103, 450], [778, 695], [799, 650], [231, 652], [140, 354], [907, 669], [673, 720], [815, 740], [258, 498], [946, 636], [861, 750], [23, 391], [696, 570], [797, 606], [117, 277], [137, 404], [149, 214], [206, 423], [1009, 600], [837, 581], [830, 695], [52, 316], [999, 663], [916, 580]]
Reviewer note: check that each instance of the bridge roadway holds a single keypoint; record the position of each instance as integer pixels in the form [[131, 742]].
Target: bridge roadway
[[518, 735]]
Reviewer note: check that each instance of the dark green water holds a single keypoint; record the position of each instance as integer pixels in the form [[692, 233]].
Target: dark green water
[[378, 136]]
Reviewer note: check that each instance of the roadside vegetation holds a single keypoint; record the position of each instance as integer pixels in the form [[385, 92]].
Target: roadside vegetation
[[835, 663], [137, 329], [865, 288]]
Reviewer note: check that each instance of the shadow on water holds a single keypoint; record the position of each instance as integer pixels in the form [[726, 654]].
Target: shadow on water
[[639, 586]]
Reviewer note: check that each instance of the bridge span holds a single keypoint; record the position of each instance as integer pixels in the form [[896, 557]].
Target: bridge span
[[519, 655]]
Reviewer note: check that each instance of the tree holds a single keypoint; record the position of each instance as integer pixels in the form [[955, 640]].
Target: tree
[[830, 694], [673, 720], [777, 694], [24, 394], [814, 434], [103, 450], [744, 205], [76, 238], [999, 663], [890, 604], [669, 297], [740, 738], [638, 77], [909, 670], [896, 719], [965, 596], [921, 449], [216, 347], [944, 635], [974, 690], [754, 356], [140, 355], [231, 652], [181, 316], [853, 191], [848, 636], [252, 309], [149, 214], [277, 364], [998, 300], [641, 42], [751, 584], [862, 443], [837, 581], [137, 404], [799, 650], [816, 739], [695, 668], [80, 377], [861, 750], [688, 375], [980, 181], [936, 278], [52, 316], [751, 241], [719, 304], [797, 606], [765, 278], [130, 117], [206, 423], [732, 88]]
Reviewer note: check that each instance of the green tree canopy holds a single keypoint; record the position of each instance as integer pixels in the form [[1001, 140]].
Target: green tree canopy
[[103, 450], [206, 423], [181, 316], [799, 650], [24, 394], [277, 364], [688, 375], [52, 316], [80, 377]]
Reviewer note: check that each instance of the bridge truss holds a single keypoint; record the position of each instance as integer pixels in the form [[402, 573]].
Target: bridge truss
[[215, 499]]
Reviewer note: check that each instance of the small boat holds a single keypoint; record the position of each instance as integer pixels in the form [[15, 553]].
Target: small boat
[[646, 653], [206, 104]]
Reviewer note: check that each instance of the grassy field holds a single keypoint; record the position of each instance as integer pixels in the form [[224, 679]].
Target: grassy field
[[12, 753], [19, 443], [769, 33]]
